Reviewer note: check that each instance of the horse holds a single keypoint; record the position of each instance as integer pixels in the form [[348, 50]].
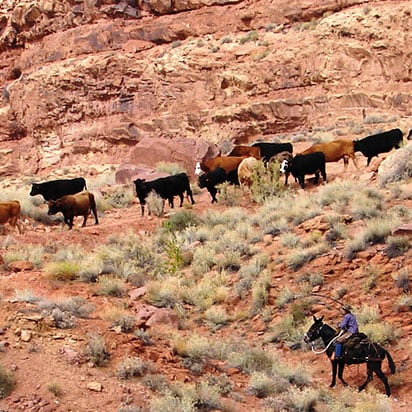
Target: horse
[[367, 352]]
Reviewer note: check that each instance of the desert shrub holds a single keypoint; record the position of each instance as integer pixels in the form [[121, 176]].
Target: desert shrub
[[180, 220], [371, 274], [266, 180], [260, 297], [204, 258], [7, 382], [216, 316], [298, 258], [252, 360], [164, 293], [62, 271], [221, 383], [155, 382], [55, 388], [96, 350], [77, 306], [144, 337], [30, 253], [229, 195], [25, 295], [402, 280], [289, 240], [284, 297], [155, 204], [396, 246], [261, 385], [129, 254], [110, 286], [130, 367], [118, 196], [250, 36]]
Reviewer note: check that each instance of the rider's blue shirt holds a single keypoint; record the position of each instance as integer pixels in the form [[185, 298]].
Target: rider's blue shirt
[[349, 323]]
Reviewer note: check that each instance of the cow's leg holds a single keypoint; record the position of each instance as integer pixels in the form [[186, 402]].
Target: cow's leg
[[69, 221], [181, 199], [301, 180], [85, 219], [317, 174], [323, 171], [96, 220]]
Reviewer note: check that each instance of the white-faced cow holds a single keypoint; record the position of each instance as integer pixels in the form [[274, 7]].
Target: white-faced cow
[[301, 165], [371, 146], [165, 187], [79, 204], [55, 189]]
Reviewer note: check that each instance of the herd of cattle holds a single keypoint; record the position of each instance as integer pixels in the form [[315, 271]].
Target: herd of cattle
[[71, 198]]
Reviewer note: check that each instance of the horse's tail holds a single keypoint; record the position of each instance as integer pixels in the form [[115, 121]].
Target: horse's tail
[[391, 362]]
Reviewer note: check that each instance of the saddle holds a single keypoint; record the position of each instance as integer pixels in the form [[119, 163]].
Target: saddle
[[356, 347], [356, 340]]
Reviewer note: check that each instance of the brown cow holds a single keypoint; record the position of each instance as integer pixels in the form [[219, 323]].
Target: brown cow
[[243, 150], [80, 204], [334, 151], [10, 213], [227, 163]]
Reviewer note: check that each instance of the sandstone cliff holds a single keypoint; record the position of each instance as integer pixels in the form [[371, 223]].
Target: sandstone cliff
[[84, 81]]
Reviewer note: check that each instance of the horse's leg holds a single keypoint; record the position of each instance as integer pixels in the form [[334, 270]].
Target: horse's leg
[[383, 378], [341, 367], [334, 369], [368, 378]]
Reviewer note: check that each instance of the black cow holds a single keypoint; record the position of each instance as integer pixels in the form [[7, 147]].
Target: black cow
[[371, 146], [217, 176], [165, 187], [55, 189], [79, 204], [268, 150], [301, 165]]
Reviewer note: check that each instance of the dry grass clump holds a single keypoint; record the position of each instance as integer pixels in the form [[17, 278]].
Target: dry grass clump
[[7, 382], [127, 255], [62, 271], [166, 292], [28, 253], [111, 286], [131, 367], [96, 350]]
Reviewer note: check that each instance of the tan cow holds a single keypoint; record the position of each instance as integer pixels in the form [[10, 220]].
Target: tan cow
[[10, 213], [334, 151], [246, 169]]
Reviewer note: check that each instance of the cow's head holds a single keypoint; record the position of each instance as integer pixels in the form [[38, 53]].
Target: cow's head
[[203, 180], [285, 166], [35, 189], [53, 207], [198, 169]]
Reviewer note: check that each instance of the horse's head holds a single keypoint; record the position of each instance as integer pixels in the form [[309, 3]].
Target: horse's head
[[314, 331]]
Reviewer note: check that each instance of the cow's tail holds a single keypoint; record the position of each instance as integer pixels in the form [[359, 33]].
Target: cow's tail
[[390, 362]]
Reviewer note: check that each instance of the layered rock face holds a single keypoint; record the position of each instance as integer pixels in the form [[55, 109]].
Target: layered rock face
[[84, 81]]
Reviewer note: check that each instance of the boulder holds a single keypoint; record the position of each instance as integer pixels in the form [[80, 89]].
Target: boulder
[[150, 151]]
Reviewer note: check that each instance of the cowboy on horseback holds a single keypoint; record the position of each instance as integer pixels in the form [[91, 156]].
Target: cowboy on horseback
[[348, 327]]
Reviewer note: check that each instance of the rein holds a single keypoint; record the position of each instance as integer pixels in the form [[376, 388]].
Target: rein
[[327, 346]]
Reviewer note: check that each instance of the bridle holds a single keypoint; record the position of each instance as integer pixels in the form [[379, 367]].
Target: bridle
[[317, 332]]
